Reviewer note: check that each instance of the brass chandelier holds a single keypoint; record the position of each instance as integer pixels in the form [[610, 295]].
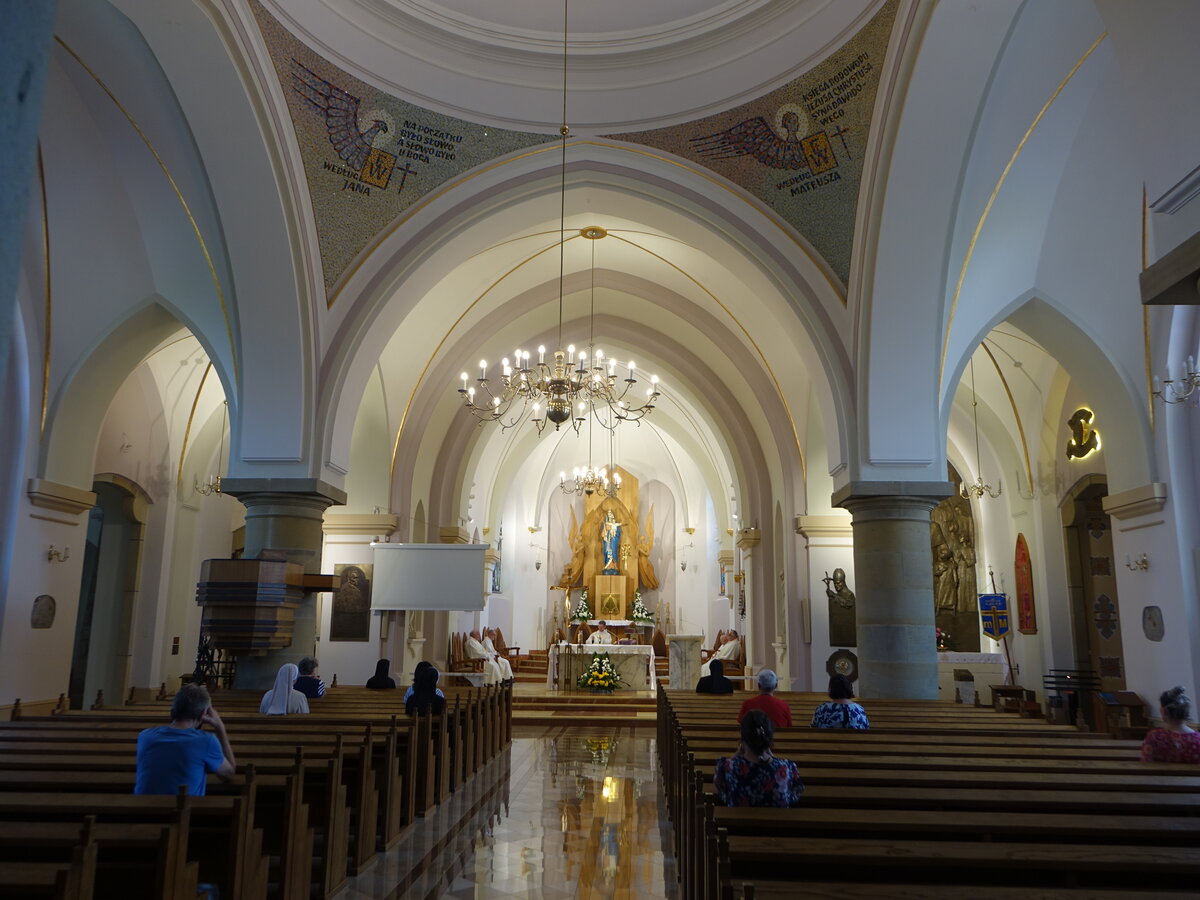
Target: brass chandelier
[[572, 385], [589, 480]]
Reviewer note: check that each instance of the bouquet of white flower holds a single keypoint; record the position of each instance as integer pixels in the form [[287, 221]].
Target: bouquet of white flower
[[640, 614], [583, 611]]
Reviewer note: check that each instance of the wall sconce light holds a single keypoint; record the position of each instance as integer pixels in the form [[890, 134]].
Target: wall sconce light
[[56, 555], [1141, 563], [683, 560], [537, 564]]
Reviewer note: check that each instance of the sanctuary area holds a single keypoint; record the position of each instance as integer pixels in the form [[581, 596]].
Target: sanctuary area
[[581, 351]]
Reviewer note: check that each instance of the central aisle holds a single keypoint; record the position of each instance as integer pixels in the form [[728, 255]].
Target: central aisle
[[567, 812]]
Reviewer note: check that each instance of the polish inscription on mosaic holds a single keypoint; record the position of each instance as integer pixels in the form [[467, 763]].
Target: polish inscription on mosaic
[[799, 148], [369, 156]]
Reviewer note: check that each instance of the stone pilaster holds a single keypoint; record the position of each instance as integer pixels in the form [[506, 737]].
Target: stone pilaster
[[893, 565], [284, 514], [748, 540]]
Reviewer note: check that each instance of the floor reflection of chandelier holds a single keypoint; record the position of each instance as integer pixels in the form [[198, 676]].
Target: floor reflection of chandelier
[[570, 386]]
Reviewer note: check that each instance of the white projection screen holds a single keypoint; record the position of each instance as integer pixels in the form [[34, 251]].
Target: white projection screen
[[428, 576]]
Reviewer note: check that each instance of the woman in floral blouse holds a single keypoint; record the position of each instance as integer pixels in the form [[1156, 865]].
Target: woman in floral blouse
[[841, 711], [1175, 741], [755, 776]]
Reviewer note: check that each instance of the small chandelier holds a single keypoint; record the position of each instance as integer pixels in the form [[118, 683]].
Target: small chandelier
[[213, 484], [1180, 390], [571, 385], [978, 489], [589, 480]]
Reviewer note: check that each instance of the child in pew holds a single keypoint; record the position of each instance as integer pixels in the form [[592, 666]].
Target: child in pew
[[180, 753], [283, 699], [755, 776], [841, 711], [1175, 741], [425, 696]]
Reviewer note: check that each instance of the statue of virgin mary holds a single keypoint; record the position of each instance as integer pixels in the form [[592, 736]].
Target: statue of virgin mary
[[610, 539]]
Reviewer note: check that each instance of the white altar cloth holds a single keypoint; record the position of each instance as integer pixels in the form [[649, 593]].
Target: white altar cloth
[[633, 662]]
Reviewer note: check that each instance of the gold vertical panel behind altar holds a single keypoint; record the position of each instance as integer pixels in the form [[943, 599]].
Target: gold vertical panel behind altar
[[368, 156], [799, 148], [624, 507]]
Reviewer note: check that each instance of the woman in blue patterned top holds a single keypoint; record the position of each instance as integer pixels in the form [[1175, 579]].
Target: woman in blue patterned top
[[841, 711], [755, 777]]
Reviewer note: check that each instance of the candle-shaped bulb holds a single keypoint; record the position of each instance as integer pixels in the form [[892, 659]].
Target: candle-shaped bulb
[[483, 368], [541, 354]]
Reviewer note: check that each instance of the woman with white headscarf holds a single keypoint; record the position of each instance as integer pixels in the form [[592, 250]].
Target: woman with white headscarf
[[283, 699]]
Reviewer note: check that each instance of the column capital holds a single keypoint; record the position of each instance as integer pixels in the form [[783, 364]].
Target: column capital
[[361, 523], [284, 488], [453, 534], [891, 499], [748, 539]]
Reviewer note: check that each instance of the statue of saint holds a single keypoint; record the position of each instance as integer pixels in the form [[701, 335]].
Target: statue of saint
[[610, 539], [646, 577], [842, 615]]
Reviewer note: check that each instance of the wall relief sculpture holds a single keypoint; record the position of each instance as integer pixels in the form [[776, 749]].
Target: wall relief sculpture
[[955, 589]]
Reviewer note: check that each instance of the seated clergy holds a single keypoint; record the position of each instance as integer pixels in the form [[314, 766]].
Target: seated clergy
[[489, 644], [731, 650], [474, 648], [601, 635]]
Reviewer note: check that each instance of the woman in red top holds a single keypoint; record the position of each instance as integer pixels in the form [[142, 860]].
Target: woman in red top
[[1175, 741]]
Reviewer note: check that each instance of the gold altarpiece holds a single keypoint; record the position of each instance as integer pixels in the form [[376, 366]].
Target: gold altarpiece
[[611, 595]]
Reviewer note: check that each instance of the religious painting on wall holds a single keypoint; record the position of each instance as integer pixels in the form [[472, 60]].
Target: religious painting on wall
[[1026, 617], [350, 619], [955, 589]]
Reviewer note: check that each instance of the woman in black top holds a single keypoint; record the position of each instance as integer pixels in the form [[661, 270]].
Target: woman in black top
[[381, 681], [715, 681], [424, 697]]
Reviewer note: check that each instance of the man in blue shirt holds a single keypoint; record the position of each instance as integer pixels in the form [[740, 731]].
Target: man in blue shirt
[[181, 753], [308, 683]]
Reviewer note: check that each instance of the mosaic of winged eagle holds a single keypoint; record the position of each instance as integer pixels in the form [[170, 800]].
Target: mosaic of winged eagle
[[755, 137], [341, 114]]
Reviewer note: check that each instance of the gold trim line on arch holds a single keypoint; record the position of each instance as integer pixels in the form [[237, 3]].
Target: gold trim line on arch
[[187, 211], [1016, 414], [789, 230], [987, 209]]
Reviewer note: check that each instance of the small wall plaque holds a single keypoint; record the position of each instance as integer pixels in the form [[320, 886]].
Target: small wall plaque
[[43, 611], [1152, 623]]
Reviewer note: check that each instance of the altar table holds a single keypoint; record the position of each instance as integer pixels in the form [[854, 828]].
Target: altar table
[[634, 664]]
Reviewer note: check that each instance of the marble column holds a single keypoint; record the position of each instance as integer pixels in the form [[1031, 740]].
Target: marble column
[[284, 514], [893, 565], [684, 653], [750, 627]]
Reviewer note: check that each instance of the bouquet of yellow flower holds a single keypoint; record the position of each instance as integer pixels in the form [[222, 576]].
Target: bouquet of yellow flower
[[600, 675]]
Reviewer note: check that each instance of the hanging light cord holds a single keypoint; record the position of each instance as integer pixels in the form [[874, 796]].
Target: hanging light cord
[[562, 190], [975, 416]]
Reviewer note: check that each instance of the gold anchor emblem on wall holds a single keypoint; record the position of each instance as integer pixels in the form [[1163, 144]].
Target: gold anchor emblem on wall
[[1084, 437]]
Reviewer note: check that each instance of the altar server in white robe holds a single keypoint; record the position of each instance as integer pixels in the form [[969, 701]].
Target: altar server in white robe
[[489, 644], [601, 635], [731, 649], [476, 650]]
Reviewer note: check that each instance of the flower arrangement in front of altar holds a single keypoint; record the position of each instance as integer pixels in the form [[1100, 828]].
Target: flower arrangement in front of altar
[[640, 614], [943, 639], [600, 675], [583, 610]]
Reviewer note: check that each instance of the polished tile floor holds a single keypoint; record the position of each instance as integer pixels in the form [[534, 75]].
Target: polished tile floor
[[567, 812]]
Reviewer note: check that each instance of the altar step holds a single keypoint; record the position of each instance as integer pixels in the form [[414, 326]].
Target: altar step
[[532, 706]]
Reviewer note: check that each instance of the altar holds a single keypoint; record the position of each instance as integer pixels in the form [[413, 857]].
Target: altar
[[633, 662]]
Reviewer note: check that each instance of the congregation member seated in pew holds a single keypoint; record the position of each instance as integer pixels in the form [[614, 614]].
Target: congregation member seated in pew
[[180, 753], [425, 696], [489, 644], [283, 699], [420, 667], [1175, 742], [777, 711], [715, 681], [755, 776], [601, 635], [841, 711], [381, 680], [308, 683]]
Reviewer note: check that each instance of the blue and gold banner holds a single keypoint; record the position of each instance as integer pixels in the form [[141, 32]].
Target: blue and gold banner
[[993, 612]]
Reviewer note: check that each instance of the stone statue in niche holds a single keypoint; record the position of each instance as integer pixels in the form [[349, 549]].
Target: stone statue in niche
[[646, 577], [842, 618], [42, 615]]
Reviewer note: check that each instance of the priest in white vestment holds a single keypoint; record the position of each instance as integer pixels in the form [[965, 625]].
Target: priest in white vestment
[[731, 649], [475, 650], [601, 635], [489, 644]]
